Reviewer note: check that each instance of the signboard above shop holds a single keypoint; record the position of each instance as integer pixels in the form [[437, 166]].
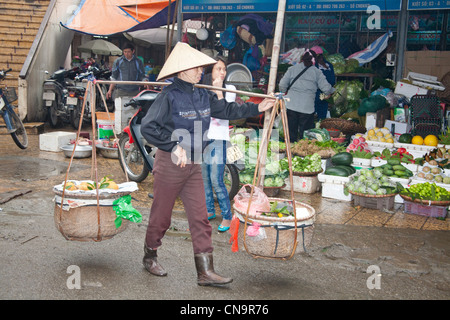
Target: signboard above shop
[[291, 5], [428, 4]]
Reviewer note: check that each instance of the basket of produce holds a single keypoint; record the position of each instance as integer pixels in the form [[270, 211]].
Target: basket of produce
[[79, 216], [346, 126], [427, 193], [325, 149], [372, 189], [270, 228]]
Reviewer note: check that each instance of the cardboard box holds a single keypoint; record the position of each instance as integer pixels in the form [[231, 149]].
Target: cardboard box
[[409, 90]]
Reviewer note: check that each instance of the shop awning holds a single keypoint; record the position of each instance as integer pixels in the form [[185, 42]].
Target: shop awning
[[108, 17], [145, 9], [100, 17]]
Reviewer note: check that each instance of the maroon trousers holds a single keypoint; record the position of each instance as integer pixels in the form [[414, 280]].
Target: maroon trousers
[[171, 181]]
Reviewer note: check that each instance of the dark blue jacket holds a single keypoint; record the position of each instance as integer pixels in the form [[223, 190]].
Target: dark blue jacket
[[181, 114]]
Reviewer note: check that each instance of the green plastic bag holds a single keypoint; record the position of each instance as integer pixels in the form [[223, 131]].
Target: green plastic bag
[[124, 210]]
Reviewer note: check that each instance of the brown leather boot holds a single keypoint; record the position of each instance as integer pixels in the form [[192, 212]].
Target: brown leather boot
[[205, 271], [151, 263]]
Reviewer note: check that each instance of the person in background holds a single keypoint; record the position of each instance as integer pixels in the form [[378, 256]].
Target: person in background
[[215, 155], [321, 106], [176, 124], [126, 68], [302, 93]]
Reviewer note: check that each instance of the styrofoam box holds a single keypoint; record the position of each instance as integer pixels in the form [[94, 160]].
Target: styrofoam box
[[333, 187], [379, 146], [408, 90], [326, 163], [361, 162], [53, 141], [307, 184]]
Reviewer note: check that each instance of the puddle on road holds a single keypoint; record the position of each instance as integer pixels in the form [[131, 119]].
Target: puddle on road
[[26, 168]]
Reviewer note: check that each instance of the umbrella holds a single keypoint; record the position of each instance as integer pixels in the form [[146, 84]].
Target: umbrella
[[152, 36], [100, 46]]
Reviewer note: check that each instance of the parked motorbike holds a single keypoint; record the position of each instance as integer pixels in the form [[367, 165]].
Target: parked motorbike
[[13, 123], [55, 96], [137, 156], [78, 91]]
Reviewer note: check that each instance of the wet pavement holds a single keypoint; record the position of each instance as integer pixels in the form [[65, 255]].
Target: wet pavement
[[410, 252]]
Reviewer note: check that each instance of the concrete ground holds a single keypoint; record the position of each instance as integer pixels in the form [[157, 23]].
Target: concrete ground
[[355, 253]]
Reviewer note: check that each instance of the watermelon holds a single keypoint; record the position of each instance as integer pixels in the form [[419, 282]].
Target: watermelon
[[405, 138]]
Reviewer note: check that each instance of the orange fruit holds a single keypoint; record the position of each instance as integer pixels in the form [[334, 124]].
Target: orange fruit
[[417, 140], [430, 140]]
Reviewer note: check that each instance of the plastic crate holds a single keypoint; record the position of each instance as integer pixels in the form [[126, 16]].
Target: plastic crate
[[424, 210], [380, 203]]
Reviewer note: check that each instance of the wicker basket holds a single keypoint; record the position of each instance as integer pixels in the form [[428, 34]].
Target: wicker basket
[[277, 235], [346, 126], [426, 202], [380, 202], [85, 223]]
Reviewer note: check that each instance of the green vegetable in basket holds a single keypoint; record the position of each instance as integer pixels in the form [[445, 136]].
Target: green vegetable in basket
[[124, 210]]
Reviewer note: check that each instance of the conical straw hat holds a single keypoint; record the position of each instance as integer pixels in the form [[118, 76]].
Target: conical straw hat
[[183, 57]]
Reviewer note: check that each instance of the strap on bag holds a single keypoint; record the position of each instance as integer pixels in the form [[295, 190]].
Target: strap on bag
[[295, 79]]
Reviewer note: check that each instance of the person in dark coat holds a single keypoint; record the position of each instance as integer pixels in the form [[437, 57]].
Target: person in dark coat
[[321, 106], [177, 124]]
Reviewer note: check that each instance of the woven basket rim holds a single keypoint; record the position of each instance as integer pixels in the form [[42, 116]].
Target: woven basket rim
[[287, 219], [85, 195], [426, 202], [372, 195], [307, 174]]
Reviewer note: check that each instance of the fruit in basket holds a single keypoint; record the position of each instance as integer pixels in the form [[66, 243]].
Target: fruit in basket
[[418, 140], [70, 185], [430, 140], [371, 182], [427, 191]]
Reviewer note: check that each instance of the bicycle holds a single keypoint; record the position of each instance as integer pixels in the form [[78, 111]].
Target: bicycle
[[13, 123]]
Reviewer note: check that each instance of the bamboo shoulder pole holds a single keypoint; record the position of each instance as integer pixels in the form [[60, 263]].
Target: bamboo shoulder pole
[[162, 84]]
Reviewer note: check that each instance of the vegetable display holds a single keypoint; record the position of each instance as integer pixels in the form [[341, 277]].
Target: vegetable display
[[394, 169], [347, 97], [426, 191], [274, 174], [371, 182], [310, 163], [325, 149]]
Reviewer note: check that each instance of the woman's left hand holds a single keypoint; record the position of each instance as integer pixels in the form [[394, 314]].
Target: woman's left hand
[[266, 104]]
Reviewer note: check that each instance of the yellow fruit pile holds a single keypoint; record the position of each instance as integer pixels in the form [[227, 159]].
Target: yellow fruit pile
[[105, 183], [430, 140], [380, 135]]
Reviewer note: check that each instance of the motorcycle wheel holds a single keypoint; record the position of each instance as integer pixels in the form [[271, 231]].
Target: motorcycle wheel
[[53, 118], [131, 160], [231, 179], [19, 136]]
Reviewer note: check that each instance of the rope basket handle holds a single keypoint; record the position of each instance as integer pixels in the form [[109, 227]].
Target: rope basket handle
[[91, 91], [279, 106]]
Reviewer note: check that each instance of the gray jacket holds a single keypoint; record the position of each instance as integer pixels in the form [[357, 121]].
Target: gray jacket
[[303, 92]]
